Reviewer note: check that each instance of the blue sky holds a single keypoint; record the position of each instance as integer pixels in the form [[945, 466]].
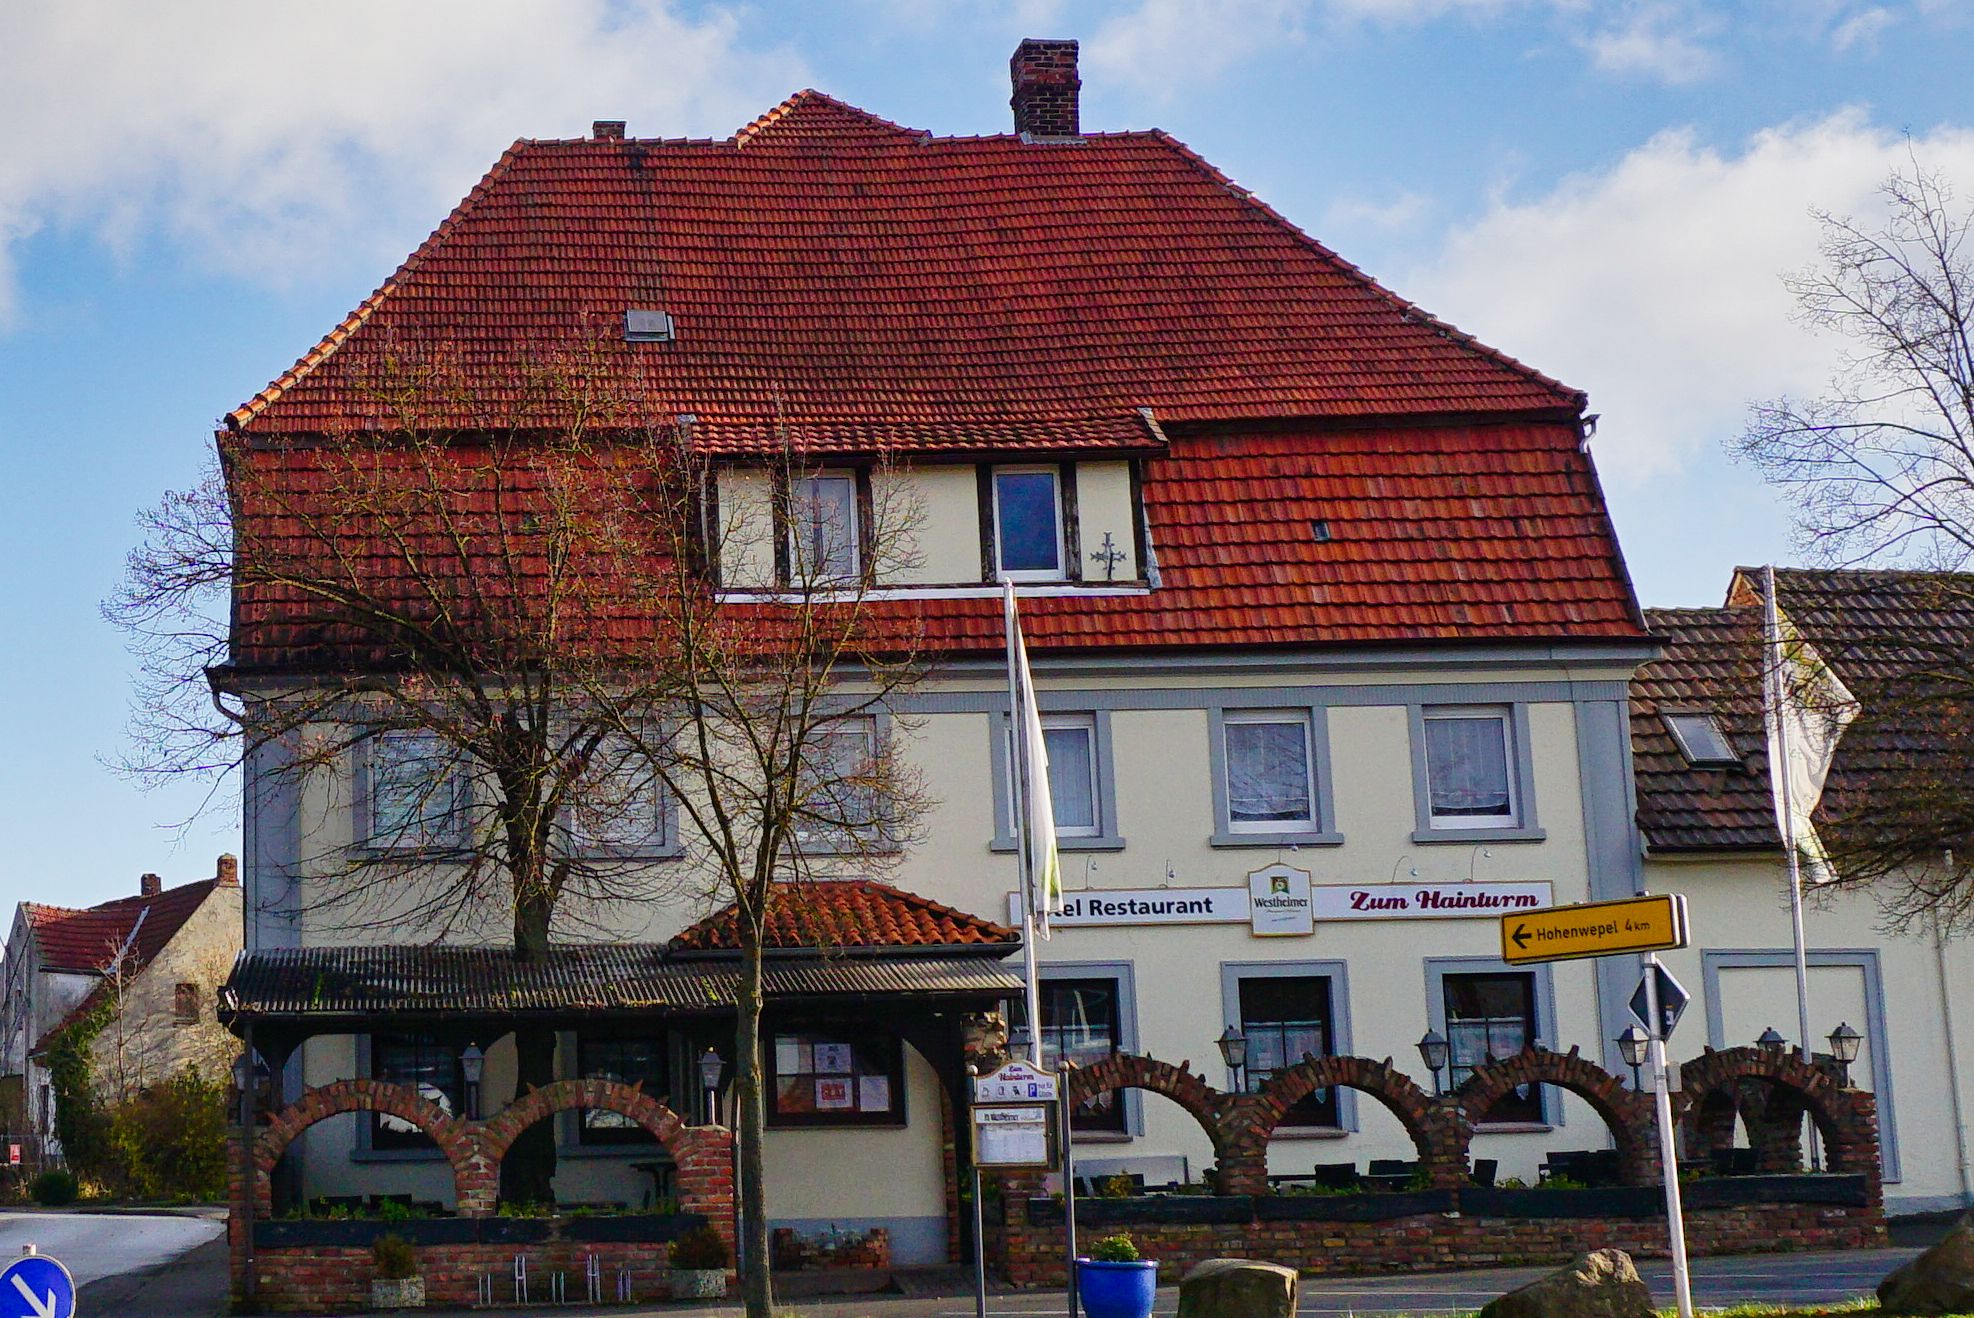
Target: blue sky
[[190, 195]]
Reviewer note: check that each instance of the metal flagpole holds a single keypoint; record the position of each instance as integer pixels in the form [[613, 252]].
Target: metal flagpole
[[1776, 691], [1019, 763], [1068, 1141], [1668, 1149]]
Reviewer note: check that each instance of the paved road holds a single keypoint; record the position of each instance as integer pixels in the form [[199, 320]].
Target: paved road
[[130, 1265], [1789, 1279]]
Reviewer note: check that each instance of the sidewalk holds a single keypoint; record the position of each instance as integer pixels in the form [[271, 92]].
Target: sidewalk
[[1788, 1279]]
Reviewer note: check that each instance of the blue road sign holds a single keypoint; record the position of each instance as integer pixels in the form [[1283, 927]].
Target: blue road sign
[[35, 1286], [1672, 1001]]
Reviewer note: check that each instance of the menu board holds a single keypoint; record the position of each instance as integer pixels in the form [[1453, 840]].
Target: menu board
[[1011, 1136]]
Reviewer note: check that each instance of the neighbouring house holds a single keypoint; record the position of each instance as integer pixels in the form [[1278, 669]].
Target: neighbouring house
[[1709, 822], [151, 963], [1335, 650]]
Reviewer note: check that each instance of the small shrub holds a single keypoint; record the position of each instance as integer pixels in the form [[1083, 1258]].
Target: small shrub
[[394, 1258], [700, 1250], [54, 1188], [1119, 1186], [511, 1208], [1119, 1248]]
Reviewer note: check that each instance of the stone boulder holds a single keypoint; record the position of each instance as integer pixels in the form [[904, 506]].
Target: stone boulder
[[1238, 1288], [1603, 1284], [1939, 1281]]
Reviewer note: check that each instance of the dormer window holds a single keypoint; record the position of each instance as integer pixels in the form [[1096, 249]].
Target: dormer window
[[1028, 539], [825, 535], [1701, 741]]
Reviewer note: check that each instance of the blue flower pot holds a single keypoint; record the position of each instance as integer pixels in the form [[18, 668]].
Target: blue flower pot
[[1117, 1290]]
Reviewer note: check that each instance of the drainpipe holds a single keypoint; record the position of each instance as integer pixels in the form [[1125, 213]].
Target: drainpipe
[[1953, 1056]]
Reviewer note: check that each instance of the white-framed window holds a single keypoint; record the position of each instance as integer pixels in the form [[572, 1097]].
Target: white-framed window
[[1470, 768], [840, 794], [415, 790], [1028, 535], [1070, 741], [825, 532], [620, 807], [1271, 774]]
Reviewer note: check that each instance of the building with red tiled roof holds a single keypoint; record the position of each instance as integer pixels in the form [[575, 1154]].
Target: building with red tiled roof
[[1875, 745], [153, 960], [1330, 626]]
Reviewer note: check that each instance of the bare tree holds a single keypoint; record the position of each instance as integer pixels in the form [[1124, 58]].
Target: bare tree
[[564, 616], [402, 615], [1881, 464], [1880, 469], [784, 746]]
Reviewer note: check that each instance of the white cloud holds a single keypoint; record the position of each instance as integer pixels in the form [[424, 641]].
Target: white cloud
[[1655, 284], [1663, 43], [1399, 214], [261, 137], [1167, 46], [1862, 28]]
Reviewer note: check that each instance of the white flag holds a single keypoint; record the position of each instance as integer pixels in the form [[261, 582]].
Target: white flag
[[1038, 833], [1809, 708]]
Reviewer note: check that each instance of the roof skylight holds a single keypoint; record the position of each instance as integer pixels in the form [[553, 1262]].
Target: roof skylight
[[1701, 741]]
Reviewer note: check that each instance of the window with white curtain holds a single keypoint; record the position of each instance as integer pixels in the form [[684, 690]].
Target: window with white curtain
[[840, 791], [1070, 741], [415, 791], [620, 806], [1270, 776], [1470, 781], [824, 534]]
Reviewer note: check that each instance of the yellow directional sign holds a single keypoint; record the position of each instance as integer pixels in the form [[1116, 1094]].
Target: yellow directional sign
[[1565, 933]]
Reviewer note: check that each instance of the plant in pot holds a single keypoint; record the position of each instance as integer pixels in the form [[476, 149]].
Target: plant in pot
[[1116, 1281], [395, 1283], [699, 1265]]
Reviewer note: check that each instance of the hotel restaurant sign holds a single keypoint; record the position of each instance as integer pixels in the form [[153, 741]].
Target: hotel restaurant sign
[[1279, 901]]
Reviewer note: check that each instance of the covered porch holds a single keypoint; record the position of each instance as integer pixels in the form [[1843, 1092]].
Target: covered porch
[[388, 1099]]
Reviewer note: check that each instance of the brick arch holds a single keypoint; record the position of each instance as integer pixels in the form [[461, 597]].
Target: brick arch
[[454, 1137], [1440, 1131], [1226, 1118], [1847, 1119], [704, 1154], [498, 1132], [1626, 1112]]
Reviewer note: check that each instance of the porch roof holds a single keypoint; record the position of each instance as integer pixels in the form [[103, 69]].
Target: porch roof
[[317, 985]]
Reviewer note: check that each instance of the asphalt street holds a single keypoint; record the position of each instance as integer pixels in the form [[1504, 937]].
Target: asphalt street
[[1784, 1279], [129, 1265], [97, 1245]]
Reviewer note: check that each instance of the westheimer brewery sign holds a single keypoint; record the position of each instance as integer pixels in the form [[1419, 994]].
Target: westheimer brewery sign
[[1280, 901]]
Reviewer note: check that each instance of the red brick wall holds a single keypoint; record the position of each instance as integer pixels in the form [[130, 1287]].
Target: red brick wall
[[331, 1279], [1033, 1254], [298, 1279]]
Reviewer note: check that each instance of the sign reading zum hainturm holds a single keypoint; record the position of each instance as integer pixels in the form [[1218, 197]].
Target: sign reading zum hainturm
[[1565, 933], [1279, 901]]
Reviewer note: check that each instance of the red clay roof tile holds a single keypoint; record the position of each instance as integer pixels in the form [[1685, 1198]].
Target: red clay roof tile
[[829, 269], [850, 913]]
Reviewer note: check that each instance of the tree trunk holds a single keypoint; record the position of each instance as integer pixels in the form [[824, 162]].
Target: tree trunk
[[527, 1173], [756, 1281]]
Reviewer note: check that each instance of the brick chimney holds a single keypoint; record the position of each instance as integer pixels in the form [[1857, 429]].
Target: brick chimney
[[1046, 87], [228, 871], [607, 130], [149, 885]]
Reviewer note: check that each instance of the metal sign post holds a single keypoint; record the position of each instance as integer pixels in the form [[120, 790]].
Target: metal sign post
[[1064, 1145], [1668, 1150], [1011, 1126], [979, 1249]]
